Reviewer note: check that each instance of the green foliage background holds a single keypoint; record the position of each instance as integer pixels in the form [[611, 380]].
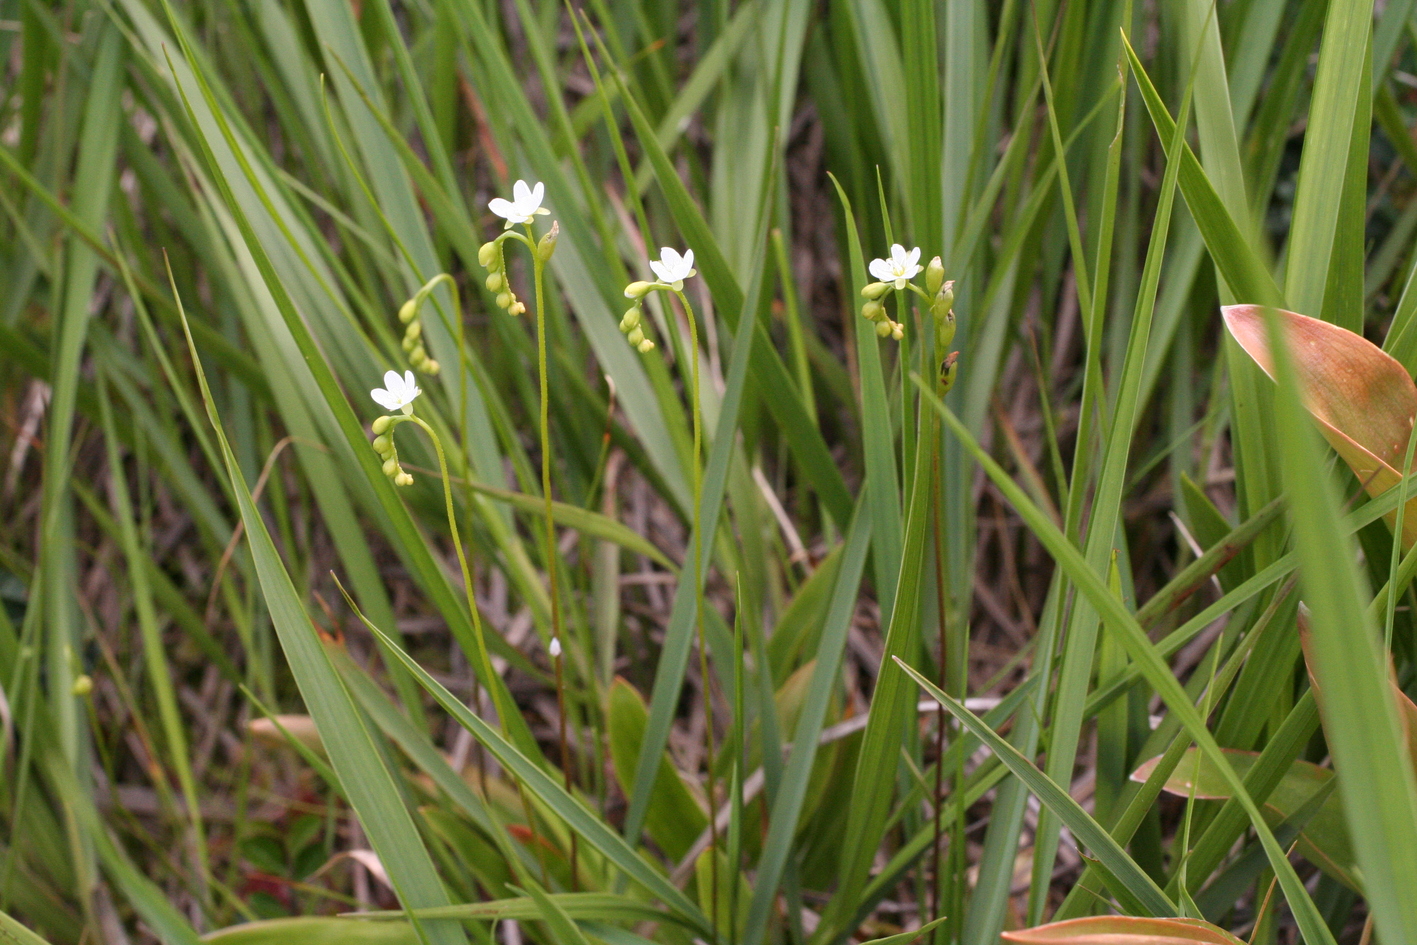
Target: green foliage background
[[1091, 552]]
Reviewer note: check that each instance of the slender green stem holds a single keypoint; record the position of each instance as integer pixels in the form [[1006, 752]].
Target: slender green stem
[[699, 598], [552, 578]]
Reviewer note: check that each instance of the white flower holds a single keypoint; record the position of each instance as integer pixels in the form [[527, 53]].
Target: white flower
[[900, 268], [672, 268], [555, 647], [397, 392], [524, 205]]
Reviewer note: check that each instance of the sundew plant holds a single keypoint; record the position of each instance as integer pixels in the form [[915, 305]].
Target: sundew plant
[[741, 472]]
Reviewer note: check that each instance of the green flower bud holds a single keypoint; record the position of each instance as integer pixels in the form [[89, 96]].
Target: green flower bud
[[431, 367], [408, 343], [934, 275], [391, 467], [414, 330], [489, 257], [874, 290], [403, 479], [516, 308], [631, 319], [949, 370], [504, 299], [495, 282], [883, 329], [636, 336], [382, 443], [873, 310], [83, 685], [381, 424], [638, 290], [645, 347], [418, 357], [408, 310], [945, 297], [897, 331], [944, 331], [547, 245]]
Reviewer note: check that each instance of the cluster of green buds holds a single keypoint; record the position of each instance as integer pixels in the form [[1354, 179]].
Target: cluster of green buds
[[492, 257], [398, 393], [942, 302], [672, 269], [631, 324], [413, 333], [875, 310]]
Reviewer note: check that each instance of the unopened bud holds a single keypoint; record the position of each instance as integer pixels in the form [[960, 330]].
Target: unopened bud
[[504, 299], [381, 424], [555, 648], [391, 467], [414, 330], [944, 330], [487, 255], [636, 335], [516, 308], [883, 329], [638, 290], [949, 370], [946, 295], [631, 319], [407, 310], [547, 245], [495, 282], [897, 331], [873, 310], [645, 347], [83, 685], [431, 367], [934, 275], [874, 290], [408, 343], [403, 479], [383, 442]]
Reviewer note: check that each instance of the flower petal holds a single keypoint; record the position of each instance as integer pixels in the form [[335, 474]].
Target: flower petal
[[384, 399], [660, 270], [537, 193], [881, 270], [913, 256], [520, 192], [392, 381], [688, 259], [503, 208]]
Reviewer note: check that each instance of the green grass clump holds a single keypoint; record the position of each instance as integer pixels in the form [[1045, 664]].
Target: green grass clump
[[807, 588]]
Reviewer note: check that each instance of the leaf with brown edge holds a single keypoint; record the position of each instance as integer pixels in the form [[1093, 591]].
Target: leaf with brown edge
[[1363, 399], [1406, 708], [1124, 930], [1324, 839]]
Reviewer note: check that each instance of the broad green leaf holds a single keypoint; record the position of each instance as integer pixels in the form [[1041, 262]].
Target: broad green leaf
[[1324, 838], [674, 818]]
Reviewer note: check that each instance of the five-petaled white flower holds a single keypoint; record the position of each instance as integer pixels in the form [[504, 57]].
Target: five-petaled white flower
[[672, 268], [900, 268], [397, 392], [524, 205]]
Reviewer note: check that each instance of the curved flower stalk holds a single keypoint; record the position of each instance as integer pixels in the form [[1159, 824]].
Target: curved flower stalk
[[672, 269]]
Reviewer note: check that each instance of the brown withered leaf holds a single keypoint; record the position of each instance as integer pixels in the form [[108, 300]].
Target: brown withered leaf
[[1363, 399], [1124, 930]]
